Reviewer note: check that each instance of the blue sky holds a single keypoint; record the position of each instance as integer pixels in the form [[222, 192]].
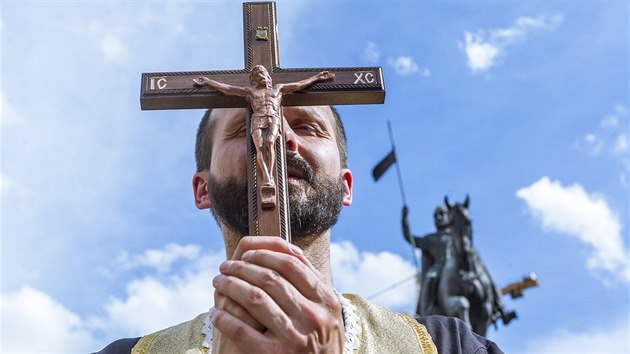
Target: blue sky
[[521, 105]]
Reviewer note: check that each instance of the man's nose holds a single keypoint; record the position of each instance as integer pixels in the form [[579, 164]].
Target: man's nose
[[290, 138]]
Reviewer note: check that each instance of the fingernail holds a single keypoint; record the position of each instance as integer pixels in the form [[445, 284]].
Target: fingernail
[[225, 265], [295, 249], [212, 312], [217, 279], [248, 254]]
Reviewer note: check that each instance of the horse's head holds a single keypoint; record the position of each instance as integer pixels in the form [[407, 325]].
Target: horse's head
[[458, 215]]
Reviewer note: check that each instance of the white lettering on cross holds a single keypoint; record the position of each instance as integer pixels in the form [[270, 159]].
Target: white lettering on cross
[[159, 81], [363, 77]]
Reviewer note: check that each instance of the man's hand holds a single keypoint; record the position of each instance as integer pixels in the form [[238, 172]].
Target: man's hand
[[272, 300]]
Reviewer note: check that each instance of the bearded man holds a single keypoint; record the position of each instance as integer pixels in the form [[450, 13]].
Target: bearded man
[[276, 297]]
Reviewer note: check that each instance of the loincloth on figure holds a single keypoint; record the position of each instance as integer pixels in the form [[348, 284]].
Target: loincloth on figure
[[264, 121]]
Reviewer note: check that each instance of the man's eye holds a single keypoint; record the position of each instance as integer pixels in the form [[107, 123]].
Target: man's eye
[[304, 128], [237, 133]]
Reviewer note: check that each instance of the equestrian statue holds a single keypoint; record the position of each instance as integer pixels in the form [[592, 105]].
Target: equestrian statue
[[454, 280]]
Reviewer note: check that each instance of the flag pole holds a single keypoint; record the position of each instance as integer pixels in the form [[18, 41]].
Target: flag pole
[[400, 182], [402, 192]]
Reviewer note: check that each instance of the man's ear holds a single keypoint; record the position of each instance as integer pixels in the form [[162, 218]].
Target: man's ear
[[200, 190], [346, 174]]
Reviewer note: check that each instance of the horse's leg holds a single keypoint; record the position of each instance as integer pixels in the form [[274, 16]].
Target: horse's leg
[[458, 306], [483, 319]]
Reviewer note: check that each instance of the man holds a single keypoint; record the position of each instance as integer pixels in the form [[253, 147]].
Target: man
[[274, 297], [265, 99]]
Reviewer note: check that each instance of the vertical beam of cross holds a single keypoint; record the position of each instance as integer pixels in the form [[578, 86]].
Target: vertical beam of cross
[[177, 90], [261, 48]]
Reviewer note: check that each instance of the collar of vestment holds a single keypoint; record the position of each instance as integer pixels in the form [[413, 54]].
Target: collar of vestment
[[368, 328]]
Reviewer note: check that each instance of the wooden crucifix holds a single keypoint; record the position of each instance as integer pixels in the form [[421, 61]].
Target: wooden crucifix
[[266, 168]]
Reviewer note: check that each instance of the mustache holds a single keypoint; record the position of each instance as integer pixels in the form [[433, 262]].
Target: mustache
[[297, 162]]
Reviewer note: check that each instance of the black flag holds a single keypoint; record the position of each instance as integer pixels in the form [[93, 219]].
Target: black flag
[[382, 166]]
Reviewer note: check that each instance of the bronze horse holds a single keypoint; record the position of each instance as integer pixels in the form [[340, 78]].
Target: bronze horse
[[465, 288]]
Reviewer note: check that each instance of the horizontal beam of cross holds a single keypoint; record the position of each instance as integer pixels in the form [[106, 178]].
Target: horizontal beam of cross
[[176, 90]]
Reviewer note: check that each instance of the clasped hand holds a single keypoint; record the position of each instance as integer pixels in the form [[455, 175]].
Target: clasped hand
[[270, 299]]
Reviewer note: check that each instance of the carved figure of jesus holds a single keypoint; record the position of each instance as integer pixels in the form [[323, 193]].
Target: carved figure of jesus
[[265, 100]]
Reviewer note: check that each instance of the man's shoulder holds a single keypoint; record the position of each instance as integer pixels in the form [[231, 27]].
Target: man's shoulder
[[447, 334], [184, 335], [121, 346], [452, 335]]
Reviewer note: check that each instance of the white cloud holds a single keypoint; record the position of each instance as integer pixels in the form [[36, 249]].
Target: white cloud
[[481, 56], [79, 153], [621, 144], [371, 53], [160, 259], [34, 322], [612, 120], [8, 115], [15, 194], [592, 144], [602, 340], [571, 210], [405, 65], [484, 48], [610, 137], [117, 36], [366, 273], [151, 303], [590, 138], [113, 48], [148, 304], [155, 302], [5, 184], [161, 300]]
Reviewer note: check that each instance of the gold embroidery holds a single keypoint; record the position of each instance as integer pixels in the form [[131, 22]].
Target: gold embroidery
[[183, 338], [428, 347], [142, 347], [382, 332], [385, 331]]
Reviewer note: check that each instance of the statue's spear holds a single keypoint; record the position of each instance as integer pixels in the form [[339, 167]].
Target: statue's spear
[[382, 167]]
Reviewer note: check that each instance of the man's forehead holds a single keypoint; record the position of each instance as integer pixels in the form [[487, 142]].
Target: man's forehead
[[319, 113], [237, 115], [226, 114]]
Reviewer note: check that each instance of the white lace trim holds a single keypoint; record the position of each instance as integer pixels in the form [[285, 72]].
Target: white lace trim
[[207, 331], [352, 327]]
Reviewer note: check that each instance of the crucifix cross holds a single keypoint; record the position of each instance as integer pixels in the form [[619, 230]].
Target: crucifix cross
[[267, 179]]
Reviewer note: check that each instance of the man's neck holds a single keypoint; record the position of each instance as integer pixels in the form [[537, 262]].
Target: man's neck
[[316, 249]]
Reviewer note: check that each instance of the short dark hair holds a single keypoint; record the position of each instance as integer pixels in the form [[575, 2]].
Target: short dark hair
[[342, 139], [203, 143]]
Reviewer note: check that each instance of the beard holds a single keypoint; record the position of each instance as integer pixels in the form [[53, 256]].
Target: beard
[[314, 202]]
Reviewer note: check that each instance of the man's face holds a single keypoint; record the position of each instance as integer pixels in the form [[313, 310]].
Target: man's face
[[315, 177], [441, 218]]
